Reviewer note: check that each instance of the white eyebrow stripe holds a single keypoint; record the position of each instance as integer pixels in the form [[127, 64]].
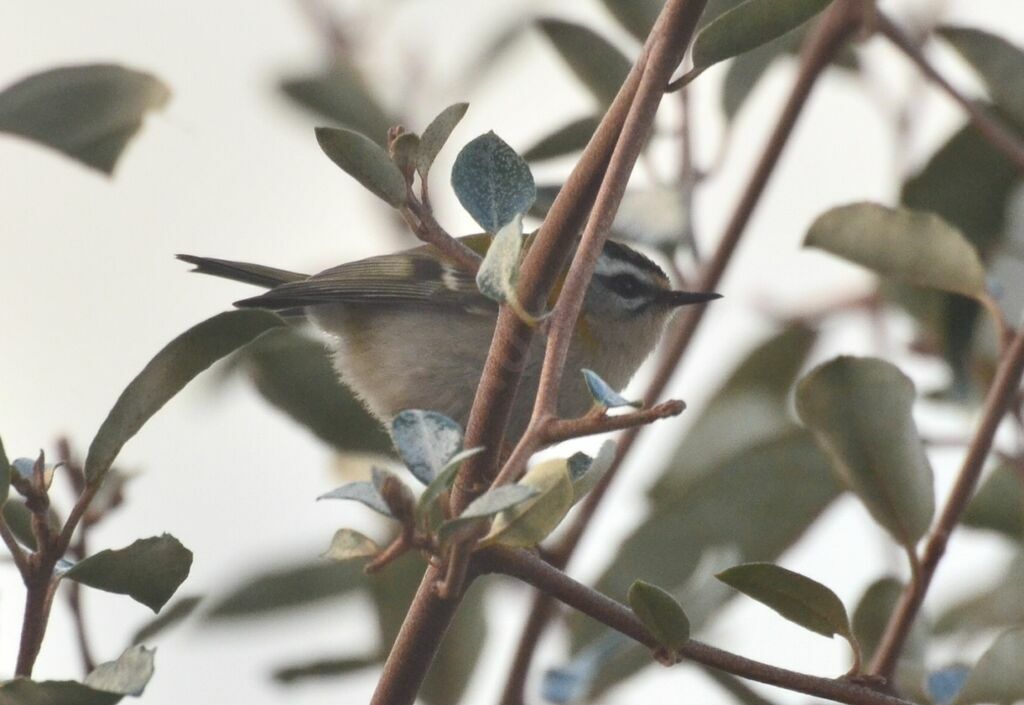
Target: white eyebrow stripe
[[607, 267]]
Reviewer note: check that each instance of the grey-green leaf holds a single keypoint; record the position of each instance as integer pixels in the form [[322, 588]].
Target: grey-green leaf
[[910, 246], [323, 668], [568, 139], [637, 16], [340, 95], [87, 112], [166, 374], [437, 134], [796, 597], [597, 64], [999, 63], [499, 270], [660, 613], [22, 691], [149, 571], [365, 161], [492, 182], [529, 522], [441, 484], [287, 587], [999, 503], [364, 492], [998, 676], [169, 617], [861, 413], [487, 505], [997, 605], [426, 441], [349, 544], [128, 675], [603, 393]]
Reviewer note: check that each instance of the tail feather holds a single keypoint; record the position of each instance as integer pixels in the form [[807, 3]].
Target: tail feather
[[242, 271]]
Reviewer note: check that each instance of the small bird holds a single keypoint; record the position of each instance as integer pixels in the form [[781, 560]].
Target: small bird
[[410, 330]]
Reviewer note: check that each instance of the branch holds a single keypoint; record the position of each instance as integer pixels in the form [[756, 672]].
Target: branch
[[422, 222], [1000, 395], [532, 570], [991, 129], [559, 430]]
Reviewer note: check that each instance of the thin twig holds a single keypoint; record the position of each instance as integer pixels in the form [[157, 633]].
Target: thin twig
[[422, 222], [565, 429]]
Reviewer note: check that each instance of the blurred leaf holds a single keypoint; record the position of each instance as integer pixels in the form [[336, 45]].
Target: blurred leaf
[[872, 615], [499, 271], [287, 587], [149, 571], [998, 676], [999, 503], [861, 413], [168, 618], [796, 597], [945, 684], [166, 374], [294, 373], [660, 613], [492, 182], [597, 64], [587, 477], [365, 161], [22, 691], [5, 474], [637, 16], [436, 134], [602, 392], [324, 668], [128, 675], [749, 25], [426, 441], [87, 112], [529, 523], [340, 95], [745, 70], [19, 520], [736, 687], [348, 544], [912, 247], [568, 139], [997, 606], [999, 63]]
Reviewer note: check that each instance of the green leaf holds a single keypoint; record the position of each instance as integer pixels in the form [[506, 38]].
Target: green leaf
[[528, 523], [426, 441], [499, 271], [22, 691], [999, 503], [909, 246], [999, 63], [873, 612], [491, 502], [441, 484], [998, 676], [998, 605], [597, 64], [660, 613], [19, 520], [365, 161], [747, 69], [861, 413], [602, 392], [88, 112], [5, 474], [348, 544], [166, 374], [587, 477], [128, 675], [748, 26], [169, 617], [436, 134], [492, 182], [294, 373], [796, 597], [149, 571], [637, 16], [340, 95], [322, 668], [568, 139], [289, 587]]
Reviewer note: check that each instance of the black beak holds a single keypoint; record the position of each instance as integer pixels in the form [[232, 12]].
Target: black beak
[[685, 298]]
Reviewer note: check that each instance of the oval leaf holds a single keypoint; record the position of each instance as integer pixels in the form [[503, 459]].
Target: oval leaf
[[128, 675], [999, 63], [530, 522], [436, 134], [348, 544], [860, 411], [998, 677], [166, 374], [426, 441], [365, 161], [602, 392], [292, 586], [87, 112], [999, 504], [340, 95], [660, 613], [491, 502], [492, 182], [597, 64], [909, 246], [149, 571], [499, 270], [796, 597]]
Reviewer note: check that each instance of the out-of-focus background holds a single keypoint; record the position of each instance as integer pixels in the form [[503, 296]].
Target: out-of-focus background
[[230, 168]]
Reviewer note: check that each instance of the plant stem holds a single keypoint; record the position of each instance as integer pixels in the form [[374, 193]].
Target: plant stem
[[559, 430], [38, 599]]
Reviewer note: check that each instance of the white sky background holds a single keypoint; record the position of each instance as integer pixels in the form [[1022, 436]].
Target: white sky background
[[91, 291]]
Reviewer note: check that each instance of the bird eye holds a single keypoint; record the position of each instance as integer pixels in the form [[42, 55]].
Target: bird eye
[[626, 285]]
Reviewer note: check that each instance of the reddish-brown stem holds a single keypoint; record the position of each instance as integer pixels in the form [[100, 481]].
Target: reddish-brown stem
[[38, 599], [565, 429], [422, 222]]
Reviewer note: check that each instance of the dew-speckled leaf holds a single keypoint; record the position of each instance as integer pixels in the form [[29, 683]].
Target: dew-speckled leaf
[[794, 596], [861, 413], [999, 62], [149, 570], [910, 246], [340, 95], [499, 270], [998, 604], [999, 504], [88, 112], [169, 617], [660, 613], [128, 675], [637, 16], [166, 374], [348, 544], [567, 139], [5, 474], [944, 685], [596, 62], [364, 492], [595, 469], [527, 524], [748, 26], [603, 393], [426, 441], [437, 134], [998, 676], [491, 502], [492, 182], [285, 587], [365, 161]]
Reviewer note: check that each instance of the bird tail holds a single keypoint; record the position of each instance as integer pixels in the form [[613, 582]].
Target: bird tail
[[244, 272]]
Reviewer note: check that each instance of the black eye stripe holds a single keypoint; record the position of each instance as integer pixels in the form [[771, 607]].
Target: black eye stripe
[[626, 285]]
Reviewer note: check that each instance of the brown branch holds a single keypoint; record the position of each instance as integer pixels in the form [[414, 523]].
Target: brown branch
[[560, 430], [548, 579], [991, 129], [1004, 388], [422, 222], [38, 600]]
